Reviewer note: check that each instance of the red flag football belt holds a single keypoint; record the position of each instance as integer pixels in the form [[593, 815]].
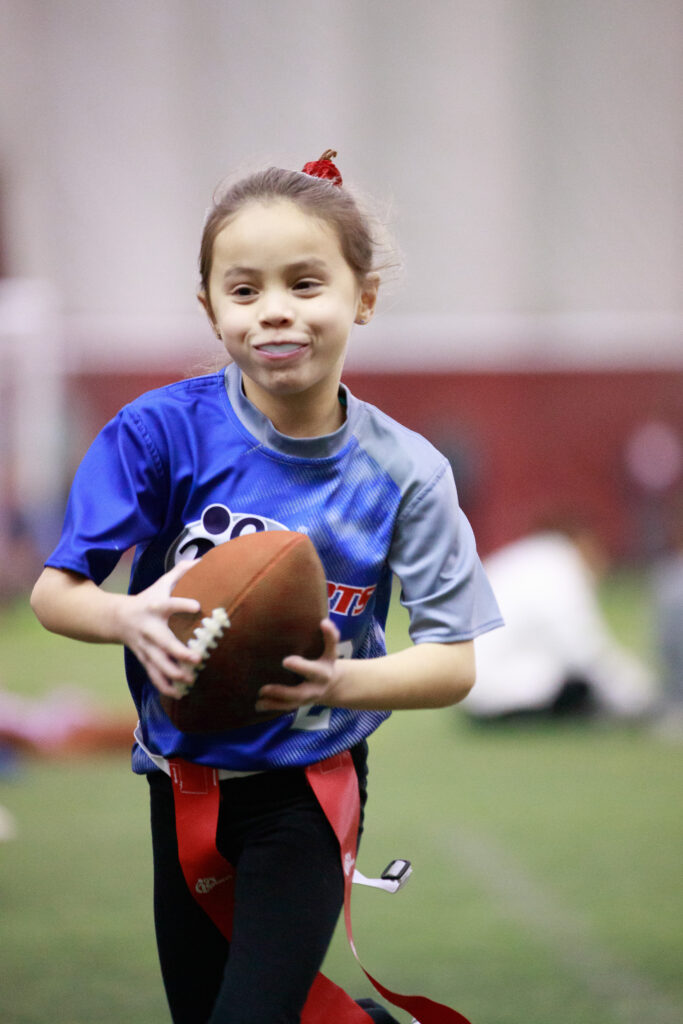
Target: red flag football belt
[[211, 877]]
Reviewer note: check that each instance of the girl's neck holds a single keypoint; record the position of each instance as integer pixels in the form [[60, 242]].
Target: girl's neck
[[304, 415]]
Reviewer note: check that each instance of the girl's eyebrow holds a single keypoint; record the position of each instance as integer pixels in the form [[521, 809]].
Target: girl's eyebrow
[[312, 264], [239, 272]]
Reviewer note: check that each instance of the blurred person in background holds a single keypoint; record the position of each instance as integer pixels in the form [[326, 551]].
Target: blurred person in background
[[556, 655], [668, 603], [18, 555]]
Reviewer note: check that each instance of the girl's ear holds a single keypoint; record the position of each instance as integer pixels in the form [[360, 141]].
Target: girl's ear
[[206, 305], [368, 299]]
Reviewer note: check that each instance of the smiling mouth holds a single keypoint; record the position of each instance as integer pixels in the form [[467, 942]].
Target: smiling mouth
[[280, 349], [280, 346]]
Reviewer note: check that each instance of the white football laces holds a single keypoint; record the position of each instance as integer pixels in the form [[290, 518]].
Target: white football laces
[[204, 640]]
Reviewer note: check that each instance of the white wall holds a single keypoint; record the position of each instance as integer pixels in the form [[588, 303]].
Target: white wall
[[531, 150]]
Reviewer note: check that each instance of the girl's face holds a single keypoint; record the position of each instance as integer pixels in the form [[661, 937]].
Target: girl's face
[[282, 299]]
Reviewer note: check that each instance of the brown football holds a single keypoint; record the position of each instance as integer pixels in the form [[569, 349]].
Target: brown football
[[271, 588]]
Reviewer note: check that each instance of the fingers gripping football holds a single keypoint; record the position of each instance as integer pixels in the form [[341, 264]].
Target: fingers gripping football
[[320, 677], [169, 663]]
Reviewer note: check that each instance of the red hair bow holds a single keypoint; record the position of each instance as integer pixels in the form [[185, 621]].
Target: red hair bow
[[324, 168]]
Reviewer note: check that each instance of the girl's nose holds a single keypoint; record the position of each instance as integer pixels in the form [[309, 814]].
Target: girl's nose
[[276, 309]]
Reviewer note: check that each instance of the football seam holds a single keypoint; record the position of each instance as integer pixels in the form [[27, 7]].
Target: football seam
[[204, 640]]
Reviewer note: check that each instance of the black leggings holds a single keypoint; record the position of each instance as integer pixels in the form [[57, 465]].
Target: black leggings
[[288, 893]]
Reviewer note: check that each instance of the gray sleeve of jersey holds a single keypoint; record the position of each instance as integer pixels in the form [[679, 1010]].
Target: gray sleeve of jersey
[[434, 556]]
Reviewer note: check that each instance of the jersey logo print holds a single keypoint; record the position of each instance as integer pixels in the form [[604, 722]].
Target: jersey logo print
[[346, 600], [217, 525], [204, 885]]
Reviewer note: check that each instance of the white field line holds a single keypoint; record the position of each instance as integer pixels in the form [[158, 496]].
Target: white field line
[[631, 998]]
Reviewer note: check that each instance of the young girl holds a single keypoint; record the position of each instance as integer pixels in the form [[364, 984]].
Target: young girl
[[275, 440]]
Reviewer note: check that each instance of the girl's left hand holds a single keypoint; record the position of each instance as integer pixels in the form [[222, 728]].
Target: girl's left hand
[[320, 678]]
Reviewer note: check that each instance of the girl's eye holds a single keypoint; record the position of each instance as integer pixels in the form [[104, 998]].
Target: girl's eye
[[306, 285], [243, 291]]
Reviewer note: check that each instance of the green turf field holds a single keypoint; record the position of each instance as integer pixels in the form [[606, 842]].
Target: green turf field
[[547, 863]]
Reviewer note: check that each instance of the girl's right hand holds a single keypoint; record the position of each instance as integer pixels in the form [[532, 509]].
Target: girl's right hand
[[143, 627]]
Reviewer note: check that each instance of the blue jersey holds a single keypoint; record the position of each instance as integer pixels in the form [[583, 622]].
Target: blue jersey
[[194, 464]]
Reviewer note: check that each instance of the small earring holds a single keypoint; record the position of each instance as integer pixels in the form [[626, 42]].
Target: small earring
[[361, 320]]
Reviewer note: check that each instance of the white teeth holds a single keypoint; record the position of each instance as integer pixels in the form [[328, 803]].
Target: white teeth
[[282, 346]]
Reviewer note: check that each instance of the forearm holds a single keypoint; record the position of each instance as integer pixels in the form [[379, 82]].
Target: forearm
[[72, 605], [428, 675], [76, 607]]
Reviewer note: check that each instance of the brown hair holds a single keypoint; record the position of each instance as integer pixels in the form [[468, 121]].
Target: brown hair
[[315, 196]]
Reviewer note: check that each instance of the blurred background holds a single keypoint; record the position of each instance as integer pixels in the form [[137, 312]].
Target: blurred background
[[527, 156]]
